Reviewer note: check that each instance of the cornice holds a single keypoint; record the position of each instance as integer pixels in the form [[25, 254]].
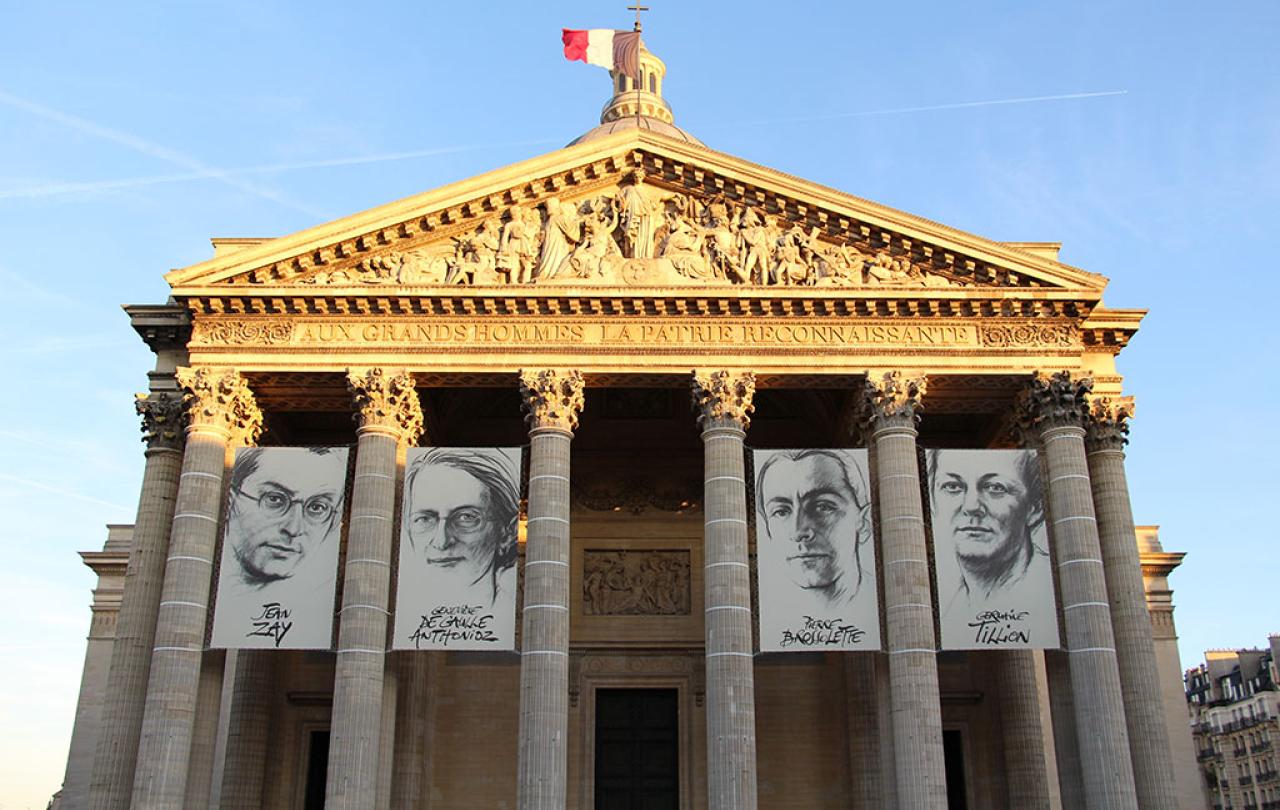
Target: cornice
[[677, 165], [161, 326], [659, 301], [1110, 329], [1160, 563]]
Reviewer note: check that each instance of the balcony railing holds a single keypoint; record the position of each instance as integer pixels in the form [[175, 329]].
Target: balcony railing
[[1246, 780], [1265, 745]]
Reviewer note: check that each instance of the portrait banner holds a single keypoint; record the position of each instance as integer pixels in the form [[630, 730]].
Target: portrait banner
[[279, 565], [815, 553], [990, 550], [456, 587]]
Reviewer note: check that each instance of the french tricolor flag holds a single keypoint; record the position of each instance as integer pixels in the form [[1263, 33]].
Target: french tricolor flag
[[610, 49]]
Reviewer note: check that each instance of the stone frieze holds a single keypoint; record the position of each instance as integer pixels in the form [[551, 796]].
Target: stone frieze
[[833, 335]]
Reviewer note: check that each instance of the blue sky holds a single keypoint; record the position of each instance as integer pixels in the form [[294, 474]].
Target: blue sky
[[130, 135]]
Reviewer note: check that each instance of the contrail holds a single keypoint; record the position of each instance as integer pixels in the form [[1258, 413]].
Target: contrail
[[154, 150], [933, 107], [54, 189]]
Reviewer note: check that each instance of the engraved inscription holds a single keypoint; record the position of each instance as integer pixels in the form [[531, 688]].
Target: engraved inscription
[[635, 583]]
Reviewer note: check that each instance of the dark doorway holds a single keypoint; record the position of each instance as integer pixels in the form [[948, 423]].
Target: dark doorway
[[953, 757], [317, 770], [637, 750]]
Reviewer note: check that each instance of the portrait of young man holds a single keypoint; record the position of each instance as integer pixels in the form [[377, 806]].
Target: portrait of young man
[[815, 553], [279, 564], [456, 587], [994, 580]]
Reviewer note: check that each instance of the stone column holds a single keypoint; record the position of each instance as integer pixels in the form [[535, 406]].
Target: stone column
[[552, 401], [221, 414], [207, 731], [1065, 739], [164, 430], [862, 729], [252, 696], [723, 400], [388, 415], [1106, 433], [1025, 772], [1054, 409], [110, 566], [411, 761], [889, 420]]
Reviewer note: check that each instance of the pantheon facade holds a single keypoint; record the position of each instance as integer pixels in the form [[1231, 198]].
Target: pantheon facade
[[637, 313]]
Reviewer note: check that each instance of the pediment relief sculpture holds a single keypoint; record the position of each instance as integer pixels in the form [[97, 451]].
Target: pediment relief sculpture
[[637, 235]]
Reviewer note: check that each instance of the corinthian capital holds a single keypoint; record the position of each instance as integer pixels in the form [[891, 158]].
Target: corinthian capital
[[892, 397], [721, 396], [220, 400], [1054, 400], [552, 398], [164, 420], [386, 400], [1107, 426]]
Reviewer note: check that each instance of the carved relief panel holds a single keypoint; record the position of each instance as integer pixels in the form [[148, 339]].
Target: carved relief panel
[[635, 583]]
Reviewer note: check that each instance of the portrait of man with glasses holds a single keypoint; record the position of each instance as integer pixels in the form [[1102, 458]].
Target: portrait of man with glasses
[[279, 561]]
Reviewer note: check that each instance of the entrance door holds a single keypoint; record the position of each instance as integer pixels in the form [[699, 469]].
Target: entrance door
[[637, 755]]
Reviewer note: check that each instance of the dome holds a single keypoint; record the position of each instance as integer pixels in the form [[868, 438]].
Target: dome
[[638, 105], [635, 122]]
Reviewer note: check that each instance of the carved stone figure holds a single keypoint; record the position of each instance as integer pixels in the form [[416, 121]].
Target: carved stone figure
[[789, 266], [721, 227], [684, 245], [597, 258], [475, 256], [561, 231], [640, 209], [755, 240], [840, 266], [518, 245]]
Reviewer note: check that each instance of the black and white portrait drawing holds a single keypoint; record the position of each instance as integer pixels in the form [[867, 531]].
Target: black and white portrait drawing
[[815, 553], [995, 583], [279, 562], [456, 588]]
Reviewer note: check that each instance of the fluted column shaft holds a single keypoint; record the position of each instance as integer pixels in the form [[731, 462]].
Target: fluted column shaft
[[1149, 745], [411, 758], [164, 428], [724, 400], [1055, 408], [221, 412], [1066, 742], [252, 695], [552, 400], [388, 413], [890, 417], [1026, 774]]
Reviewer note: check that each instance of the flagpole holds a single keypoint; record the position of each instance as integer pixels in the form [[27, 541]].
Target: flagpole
[[637, 8]]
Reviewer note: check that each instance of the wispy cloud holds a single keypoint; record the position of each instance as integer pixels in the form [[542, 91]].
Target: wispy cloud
[[66, 493], [157, 151], [961, 105], [55, 189]]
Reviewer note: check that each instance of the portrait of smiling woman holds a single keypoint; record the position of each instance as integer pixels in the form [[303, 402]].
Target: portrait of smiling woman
[[457, 577]]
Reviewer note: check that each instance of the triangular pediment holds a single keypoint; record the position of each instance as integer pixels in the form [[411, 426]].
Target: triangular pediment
[[632, 210]]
